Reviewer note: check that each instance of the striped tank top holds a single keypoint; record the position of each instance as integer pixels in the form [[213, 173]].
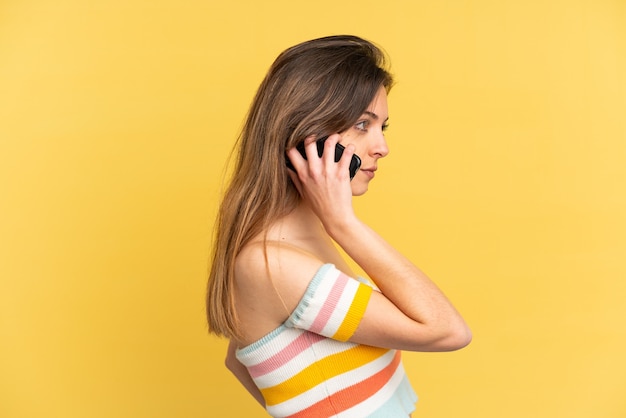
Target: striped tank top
[[307, 368]]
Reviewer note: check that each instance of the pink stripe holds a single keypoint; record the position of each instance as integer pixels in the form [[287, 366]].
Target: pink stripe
[[329, 305], [279, 359]]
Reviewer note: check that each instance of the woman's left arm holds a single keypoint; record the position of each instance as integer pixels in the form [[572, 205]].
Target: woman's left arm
[[241, 373]]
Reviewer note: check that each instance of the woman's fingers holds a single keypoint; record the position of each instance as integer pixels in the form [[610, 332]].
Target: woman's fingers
[[297, 160], [329, 149], [314, 165], [346, 159], [310, 148]]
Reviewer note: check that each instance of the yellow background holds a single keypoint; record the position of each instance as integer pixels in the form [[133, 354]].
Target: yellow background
[[506, 182]]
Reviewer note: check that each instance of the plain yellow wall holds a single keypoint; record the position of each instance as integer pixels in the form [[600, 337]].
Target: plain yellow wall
[[506, 182]]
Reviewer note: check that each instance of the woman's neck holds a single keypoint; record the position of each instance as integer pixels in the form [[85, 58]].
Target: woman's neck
[[300, 224]]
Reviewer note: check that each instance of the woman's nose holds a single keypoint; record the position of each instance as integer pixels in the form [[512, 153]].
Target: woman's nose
[[379, 145]]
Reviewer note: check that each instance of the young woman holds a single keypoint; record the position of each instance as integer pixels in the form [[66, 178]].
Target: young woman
[[307, 337]]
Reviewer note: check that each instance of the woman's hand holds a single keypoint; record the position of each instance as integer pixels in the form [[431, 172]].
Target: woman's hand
[[410, 312], [323, 183]]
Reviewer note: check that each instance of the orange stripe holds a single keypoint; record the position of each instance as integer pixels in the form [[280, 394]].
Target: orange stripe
[[351, 396]]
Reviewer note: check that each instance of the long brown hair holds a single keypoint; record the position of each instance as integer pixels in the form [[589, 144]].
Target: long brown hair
[[318, 87]]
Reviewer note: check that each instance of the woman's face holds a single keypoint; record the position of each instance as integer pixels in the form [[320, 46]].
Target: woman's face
[[367, 135]]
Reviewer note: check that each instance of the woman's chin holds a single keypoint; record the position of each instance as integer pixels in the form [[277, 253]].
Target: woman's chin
[[359, 189]]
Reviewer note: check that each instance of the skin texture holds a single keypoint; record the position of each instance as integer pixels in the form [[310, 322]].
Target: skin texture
[[409, 312]]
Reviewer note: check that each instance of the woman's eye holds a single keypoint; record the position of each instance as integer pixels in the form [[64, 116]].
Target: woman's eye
[[361, 126], [385, 126]]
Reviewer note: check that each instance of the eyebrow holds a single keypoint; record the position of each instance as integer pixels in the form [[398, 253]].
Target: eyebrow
[[372, 115]]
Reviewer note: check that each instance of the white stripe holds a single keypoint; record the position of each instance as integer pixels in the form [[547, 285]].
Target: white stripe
[[264, 348], [316, 352], [342, 308], [372, 403], [331, 386]]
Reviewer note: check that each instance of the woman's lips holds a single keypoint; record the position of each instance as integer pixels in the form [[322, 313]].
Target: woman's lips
[[369, 172]]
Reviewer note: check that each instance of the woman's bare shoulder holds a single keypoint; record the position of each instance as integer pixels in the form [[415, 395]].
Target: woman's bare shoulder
[[273, 258], [270, 280]]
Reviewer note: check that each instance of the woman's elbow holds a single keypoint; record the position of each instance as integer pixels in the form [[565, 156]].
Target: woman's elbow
[[444, 338], [231, 362], [228, 363], [456, 338]]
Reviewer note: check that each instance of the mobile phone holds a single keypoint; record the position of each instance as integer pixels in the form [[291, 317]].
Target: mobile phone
[[355, 163]]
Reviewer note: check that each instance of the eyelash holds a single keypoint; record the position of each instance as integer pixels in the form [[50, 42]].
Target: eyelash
[[362, 126]]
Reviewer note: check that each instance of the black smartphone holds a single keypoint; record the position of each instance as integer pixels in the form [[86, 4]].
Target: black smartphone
[[355, 163]]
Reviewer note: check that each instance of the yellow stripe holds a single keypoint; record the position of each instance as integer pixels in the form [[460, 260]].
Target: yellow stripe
[[354, 315], [321, 371]]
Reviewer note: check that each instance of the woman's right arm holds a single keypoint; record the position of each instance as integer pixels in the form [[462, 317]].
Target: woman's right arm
[[410, 313], [430, 321]]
